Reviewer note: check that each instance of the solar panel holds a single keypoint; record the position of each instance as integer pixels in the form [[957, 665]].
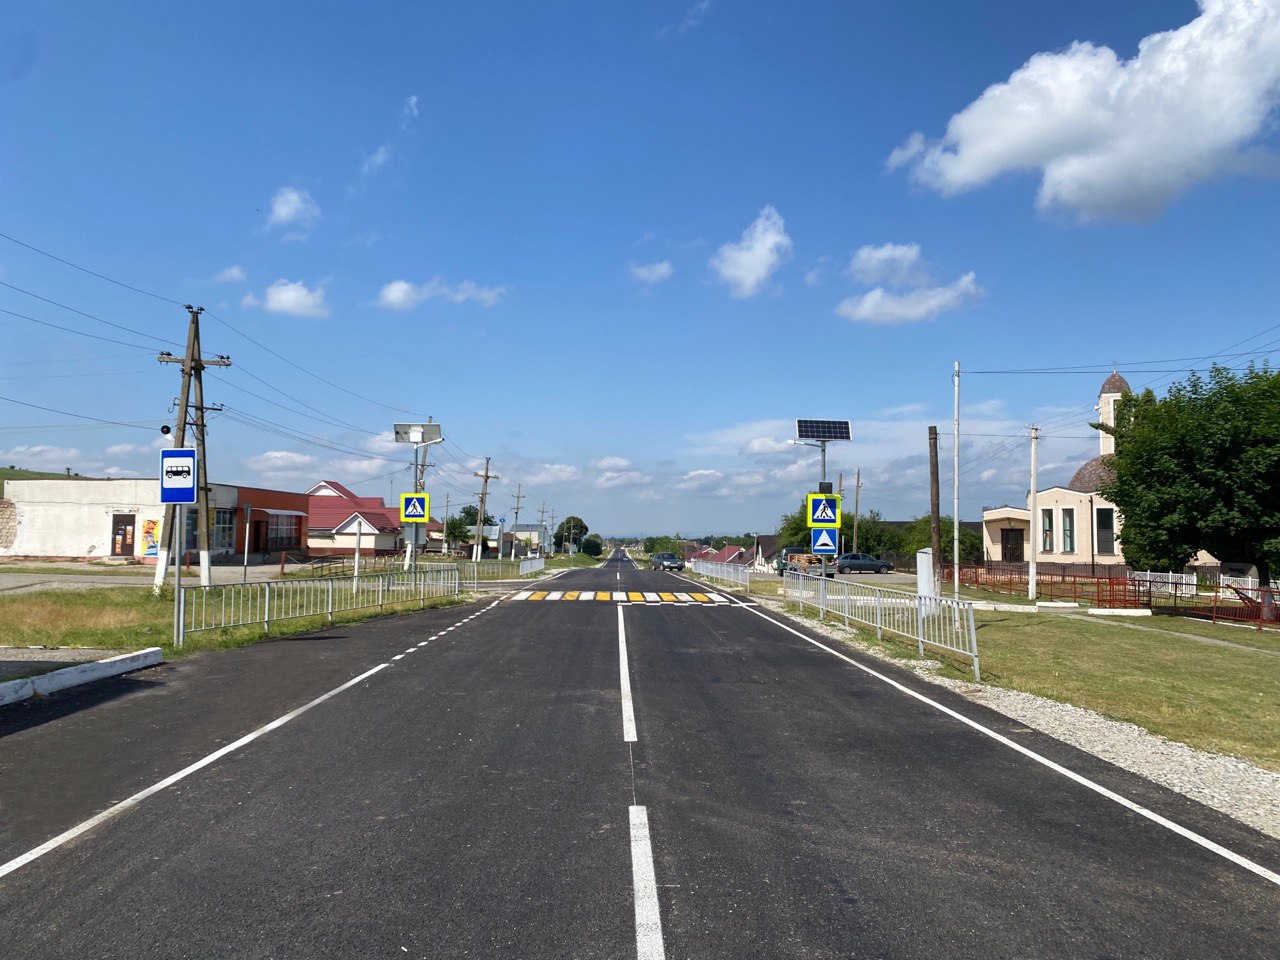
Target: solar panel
[[823, 430]]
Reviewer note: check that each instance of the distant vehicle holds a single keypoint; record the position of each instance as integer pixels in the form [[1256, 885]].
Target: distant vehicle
[[861, 563], [666, 561], [783, 558]]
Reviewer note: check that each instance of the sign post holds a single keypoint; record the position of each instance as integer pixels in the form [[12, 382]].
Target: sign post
[[415, 510], [179, 482]]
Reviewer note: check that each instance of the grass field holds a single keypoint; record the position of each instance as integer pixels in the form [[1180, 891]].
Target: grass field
[[131, 618], [1214, 698]]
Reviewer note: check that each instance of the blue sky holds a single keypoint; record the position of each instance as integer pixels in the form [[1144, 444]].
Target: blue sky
[[620, 247]]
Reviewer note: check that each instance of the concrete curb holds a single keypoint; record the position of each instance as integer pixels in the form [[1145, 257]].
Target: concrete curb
[[1100, 612], [12, 691]]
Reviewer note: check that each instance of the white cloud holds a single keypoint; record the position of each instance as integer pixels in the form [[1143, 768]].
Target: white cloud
[[403, 295], [294, 209], [691, 20], [124, 450], [1118, 138], [745, 266], [121, 472], [652, 272], [765, 446], [409, 111], [882, 307], [374, 162], [42, 456], [893, 264], [731, 441], [233, 274], [295, 299], [813, 277], [549, 473], [611, 463], [699, 480], [622, 478], [249, 300], [281, 462]]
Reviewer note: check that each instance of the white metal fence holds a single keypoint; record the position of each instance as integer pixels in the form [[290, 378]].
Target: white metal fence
[[1241, 583], [219, 606], [735, 573], [1171, 584], [936, 621], [532, 565]]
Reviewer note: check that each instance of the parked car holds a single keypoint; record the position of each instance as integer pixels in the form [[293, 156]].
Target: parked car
[[666, 561], [861, 563]]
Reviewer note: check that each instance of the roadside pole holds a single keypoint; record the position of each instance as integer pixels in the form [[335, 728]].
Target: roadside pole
[[1033, 527], [248, 512]]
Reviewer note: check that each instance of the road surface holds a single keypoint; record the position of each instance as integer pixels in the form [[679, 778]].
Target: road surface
[[619, 764]]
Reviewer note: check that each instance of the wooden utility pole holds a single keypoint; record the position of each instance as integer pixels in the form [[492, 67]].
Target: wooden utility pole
[[484, 496], [515, 527], [857, 491], [193, 364], [542, 528], [935, 521]]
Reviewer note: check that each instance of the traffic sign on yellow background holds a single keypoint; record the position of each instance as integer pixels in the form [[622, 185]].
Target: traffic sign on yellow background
[[415, 507], [823, 511]]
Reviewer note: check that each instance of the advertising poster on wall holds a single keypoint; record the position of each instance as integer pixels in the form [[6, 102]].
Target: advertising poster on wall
[[151, 538]]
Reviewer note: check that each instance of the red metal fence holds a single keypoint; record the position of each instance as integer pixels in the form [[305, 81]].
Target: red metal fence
[[1253, 606]]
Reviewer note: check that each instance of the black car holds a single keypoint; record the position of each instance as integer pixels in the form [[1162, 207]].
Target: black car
[[861, 563], [666, 561]]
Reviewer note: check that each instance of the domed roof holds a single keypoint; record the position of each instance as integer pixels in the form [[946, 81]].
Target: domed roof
[[1092, 475], [1114, 384]]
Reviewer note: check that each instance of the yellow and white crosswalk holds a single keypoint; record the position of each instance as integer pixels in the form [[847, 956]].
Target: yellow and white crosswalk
[[619, 596]]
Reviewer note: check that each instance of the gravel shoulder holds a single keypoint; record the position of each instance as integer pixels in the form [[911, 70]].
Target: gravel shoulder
[[1227, 784]]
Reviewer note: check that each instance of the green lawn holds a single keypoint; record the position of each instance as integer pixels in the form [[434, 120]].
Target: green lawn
[[79, 569], [7, 473], [131, 618], [1214, 698], [562, 561]]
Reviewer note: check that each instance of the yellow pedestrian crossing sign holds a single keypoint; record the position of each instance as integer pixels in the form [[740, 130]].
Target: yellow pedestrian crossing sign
[[824, 511], [415, 507]]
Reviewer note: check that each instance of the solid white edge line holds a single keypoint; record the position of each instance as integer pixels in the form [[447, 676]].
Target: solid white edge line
[[1203, 841], [648, 918], [60, 839], [624, 673]]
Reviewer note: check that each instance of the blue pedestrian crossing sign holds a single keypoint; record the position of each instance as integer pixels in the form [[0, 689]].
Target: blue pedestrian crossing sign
[[824, 511], [822, 542], [415, 507]]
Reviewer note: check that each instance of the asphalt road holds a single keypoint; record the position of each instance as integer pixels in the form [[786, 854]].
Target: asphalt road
[[562, 777]]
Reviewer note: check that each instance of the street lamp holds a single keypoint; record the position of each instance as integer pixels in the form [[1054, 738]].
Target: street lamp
[[420, 435]]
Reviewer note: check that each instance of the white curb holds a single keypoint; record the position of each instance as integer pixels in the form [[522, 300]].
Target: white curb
[[12, 691]]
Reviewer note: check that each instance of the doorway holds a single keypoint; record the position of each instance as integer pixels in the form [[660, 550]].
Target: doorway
[[122, 525], [1011, 546]]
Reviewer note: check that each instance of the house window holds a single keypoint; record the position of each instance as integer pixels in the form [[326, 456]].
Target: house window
[[1106, 530], [282, 533], [224, 530], [1046, 531], [1068, 529]]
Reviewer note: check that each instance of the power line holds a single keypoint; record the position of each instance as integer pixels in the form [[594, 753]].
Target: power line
[[79, 333], [136, 424], [90, 316], [100, 276]]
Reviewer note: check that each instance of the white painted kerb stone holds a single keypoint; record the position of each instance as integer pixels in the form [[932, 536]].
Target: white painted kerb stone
[[14, 690]]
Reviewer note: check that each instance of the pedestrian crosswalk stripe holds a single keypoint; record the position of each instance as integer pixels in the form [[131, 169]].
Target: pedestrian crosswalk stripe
[[568, 595], [635, 597], [621, 596], [540, 595], [555, 595], [701, 597], [684, 597], [669, 597]]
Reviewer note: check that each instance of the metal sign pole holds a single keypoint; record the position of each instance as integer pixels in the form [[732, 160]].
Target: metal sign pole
[[180, 534]]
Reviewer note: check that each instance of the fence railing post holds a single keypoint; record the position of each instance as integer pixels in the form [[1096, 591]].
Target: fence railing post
[[266, 608], [330, 604], [973, 645], [879, 613], [920, 602]]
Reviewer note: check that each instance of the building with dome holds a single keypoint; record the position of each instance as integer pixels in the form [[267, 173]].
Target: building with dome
[[1076, 524]]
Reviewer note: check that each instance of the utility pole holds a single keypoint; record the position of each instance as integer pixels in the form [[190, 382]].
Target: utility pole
[[955, 486], [553, 531], [840, 493], [193, 364], [857, 491], [542, 529], [1033, 530], [935, 522], [484, 496], [515, 527], [444, 533]]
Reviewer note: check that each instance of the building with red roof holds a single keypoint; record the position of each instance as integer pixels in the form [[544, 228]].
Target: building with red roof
[[339, 520]]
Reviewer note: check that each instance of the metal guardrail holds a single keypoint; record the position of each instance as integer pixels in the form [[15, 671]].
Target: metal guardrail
[[220, 606], [735, 573], [1173, 584], [936, 621], [532, 565]]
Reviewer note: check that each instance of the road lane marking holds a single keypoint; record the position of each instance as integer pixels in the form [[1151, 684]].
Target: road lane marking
[[648, 918], [684, 598], [18, 862], [652, 597], [555, 594], [523, 595], [586, 595], [1196, 838], [617, 595], [624, 673], [398, 656]]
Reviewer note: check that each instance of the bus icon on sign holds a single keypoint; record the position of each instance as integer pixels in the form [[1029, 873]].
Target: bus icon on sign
[[174, 470]]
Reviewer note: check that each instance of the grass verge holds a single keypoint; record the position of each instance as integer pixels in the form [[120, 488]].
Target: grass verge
[[1214, 698], [134, 618]]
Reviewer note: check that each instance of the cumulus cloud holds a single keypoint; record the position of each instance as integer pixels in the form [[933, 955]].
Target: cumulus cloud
[[1112, 137], [765, 446], [42, 456], [611, 463], [409, 111], [373, 162], [403, 295], [691, 20], [880, 306], [233, 274], [622, 478], [293, 210], [281, 462], [744, 266], [294, 298], [652, 272], [892, 264], [699, 480], [549, 473]]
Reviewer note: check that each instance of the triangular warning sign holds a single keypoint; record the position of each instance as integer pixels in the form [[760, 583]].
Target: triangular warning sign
[[824, 541], [413, 507], [822, 512]]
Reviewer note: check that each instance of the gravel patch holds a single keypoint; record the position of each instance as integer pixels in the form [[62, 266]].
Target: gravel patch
[[1228, 784]]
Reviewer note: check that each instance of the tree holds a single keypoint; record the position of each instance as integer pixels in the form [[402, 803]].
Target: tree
[[572, 529], [916, 536], [874, 535], [457, 530], [469, 514], [592, 545], [1200, 470]]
